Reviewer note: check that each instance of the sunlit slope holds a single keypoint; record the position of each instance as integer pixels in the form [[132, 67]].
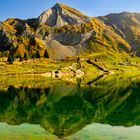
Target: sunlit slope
[[127, 25], [62, 32]]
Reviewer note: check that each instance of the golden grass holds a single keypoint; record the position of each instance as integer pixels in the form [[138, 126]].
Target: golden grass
[[32, 66], [71, 10], [42, 65], [9, 27]]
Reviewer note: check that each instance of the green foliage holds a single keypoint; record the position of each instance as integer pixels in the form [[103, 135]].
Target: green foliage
[[25, 56], [32, 41], [106, 99], [46, 54], [4, 53], [10, 59], [20, 58], [37, 55]]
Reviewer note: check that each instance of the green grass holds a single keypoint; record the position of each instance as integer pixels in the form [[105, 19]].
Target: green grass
[[32, 66], [43, 65]]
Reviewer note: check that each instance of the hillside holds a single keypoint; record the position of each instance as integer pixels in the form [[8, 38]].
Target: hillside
[[61, 32], [128, 26]]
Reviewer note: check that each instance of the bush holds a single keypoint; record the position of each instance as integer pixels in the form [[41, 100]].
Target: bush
[[4, 54]]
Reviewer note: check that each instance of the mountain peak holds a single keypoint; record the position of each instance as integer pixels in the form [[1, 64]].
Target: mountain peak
[[61, 14], [59, 4]]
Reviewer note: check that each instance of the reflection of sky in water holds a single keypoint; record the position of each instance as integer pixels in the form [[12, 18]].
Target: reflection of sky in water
[[94, 131], [23, 132], [106, 132], [44, 107]]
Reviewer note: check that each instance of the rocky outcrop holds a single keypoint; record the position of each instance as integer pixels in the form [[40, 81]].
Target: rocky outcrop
[[60, 15], [69, 38], [59, 51], [71, 71], [6, 38], [62, 32], [127, 25]]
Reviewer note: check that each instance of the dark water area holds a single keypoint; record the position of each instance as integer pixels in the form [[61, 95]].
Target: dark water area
[[105, 107]]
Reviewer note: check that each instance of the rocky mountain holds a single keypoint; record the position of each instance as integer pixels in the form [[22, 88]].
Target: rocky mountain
[[62, 32], [60, 15], [126, 25]]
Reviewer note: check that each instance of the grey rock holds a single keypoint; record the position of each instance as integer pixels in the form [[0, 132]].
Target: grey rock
[[6, 38], [59, 51], [59, 16], [69, 38]]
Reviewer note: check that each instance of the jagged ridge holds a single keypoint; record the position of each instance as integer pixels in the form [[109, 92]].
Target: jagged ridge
[[61, 31], [127, 25]]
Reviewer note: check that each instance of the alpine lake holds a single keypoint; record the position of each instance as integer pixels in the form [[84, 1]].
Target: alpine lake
[[102, 107]]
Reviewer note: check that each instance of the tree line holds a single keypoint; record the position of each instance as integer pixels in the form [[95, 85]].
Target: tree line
[[11, 57]]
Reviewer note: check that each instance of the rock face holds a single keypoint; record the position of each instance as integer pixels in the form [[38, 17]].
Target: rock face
[[69, 38], [60, 15], [127, 25], [62, 32]]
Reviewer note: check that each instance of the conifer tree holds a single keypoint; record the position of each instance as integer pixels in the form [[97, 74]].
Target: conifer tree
[[25, 56], [46, 55], [10, 59], [37, 54]]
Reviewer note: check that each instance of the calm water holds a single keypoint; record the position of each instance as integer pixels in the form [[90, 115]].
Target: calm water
[[95, 108]]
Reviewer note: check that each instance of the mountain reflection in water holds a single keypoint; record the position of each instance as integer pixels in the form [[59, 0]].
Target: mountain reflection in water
[[63, 108]]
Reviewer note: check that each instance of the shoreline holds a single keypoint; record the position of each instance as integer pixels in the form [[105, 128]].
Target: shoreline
[[53, 68]]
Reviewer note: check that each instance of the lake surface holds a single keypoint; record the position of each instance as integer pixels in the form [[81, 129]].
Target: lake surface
[[104, 107]]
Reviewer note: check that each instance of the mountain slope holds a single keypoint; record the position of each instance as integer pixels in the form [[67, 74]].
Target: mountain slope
[[127, 25], [60, 15], [61, 31]]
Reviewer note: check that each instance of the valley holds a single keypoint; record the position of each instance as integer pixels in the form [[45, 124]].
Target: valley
[[62, 39]]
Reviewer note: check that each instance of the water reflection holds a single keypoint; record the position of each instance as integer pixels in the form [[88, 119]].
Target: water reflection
[[64, 108]]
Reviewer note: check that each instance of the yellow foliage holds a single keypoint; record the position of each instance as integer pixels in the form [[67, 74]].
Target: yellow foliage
[[71, 10], [40, 43], [20, 50], [8, 26]]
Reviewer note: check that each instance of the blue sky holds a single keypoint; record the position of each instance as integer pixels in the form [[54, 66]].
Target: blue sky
[[33, 8]]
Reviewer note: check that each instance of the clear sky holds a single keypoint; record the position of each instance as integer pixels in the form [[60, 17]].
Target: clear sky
[[33, 8]]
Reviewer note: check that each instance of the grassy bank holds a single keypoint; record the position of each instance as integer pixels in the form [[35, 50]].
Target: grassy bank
[[42, 65]]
